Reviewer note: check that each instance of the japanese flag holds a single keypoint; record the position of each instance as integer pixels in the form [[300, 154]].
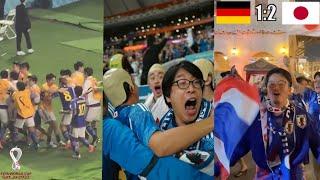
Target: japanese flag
[[300, 12]]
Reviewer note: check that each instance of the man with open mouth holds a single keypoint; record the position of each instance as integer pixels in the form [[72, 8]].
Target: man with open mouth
[[282, 133], [122, 92], [155, 101], [182, 88]]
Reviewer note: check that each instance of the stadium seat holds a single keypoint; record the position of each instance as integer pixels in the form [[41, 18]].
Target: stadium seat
[[6, 26]]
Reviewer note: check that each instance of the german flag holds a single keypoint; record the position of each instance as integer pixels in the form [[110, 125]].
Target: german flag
[[233, 12]]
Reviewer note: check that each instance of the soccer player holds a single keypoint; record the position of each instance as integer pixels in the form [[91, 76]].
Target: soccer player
[[25, 112], [14, 77], [155, 101], [78, 123], [66, 73], [16, 67], [66, 94], [24, 71], [35, 99], [93, 97], [12, 112], [49, 90], [78, 76], [5, 87]]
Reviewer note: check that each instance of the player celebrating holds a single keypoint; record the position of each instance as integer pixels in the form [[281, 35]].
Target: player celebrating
[[66, 73], [93, 97], [78, 76], [35, 99], [24, 71], [25, 112], [5, 86], [78, 107], [48, 91], [66, 94]]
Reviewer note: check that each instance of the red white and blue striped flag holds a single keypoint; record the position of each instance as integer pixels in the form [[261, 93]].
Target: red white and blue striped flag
[[236, 105]]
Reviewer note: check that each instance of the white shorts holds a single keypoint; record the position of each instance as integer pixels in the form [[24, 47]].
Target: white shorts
[[29, 122], [47, 116], [66, 118], [78, 132], [93, 114], [4, 116]]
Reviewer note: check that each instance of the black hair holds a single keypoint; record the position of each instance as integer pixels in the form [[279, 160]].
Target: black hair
[[50, 76], [78, 90], [25, 65], [68, 72], [14, 75], [150, 40], [16, 63], [33, 78], [62, 81], [301, 78], [4, 74], [88, 71], [169, 76], [62, 72], [316, 74], [21, 86], [77, 65], [281, 72]]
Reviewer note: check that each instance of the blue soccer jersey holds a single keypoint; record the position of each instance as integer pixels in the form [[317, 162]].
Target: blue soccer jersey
[[122, 146], [78, 107], [312, 99], [268, 151], [66, 98], [138, 118]]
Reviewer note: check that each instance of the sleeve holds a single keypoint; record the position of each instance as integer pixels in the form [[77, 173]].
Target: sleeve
[[86, 86], [55, 88], [314, 137], [252, 141], [142, 123], [122, 146], [35, 98]]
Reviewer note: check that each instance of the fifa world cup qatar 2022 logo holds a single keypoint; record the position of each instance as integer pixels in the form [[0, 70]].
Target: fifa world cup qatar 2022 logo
[[15, 158]]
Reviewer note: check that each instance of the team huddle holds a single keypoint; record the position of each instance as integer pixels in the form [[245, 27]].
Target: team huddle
[[24, 105]]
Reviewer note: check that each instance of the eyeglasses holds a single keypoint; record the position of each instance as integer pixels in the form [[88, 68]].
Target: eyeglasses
[[280, 84], [185, 83]]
